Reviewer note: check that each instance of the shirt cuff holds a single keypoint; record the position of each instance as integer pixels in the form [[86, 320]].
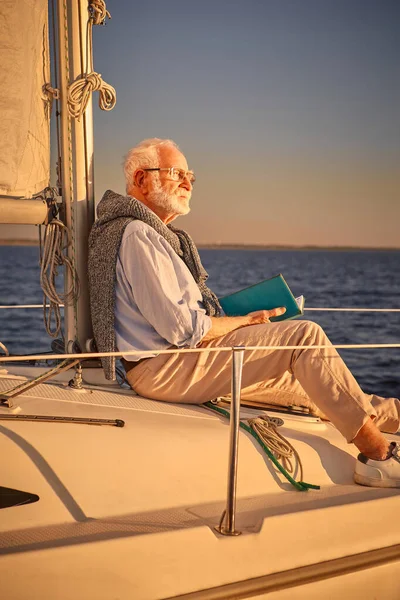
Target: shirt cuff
[[201, 325]]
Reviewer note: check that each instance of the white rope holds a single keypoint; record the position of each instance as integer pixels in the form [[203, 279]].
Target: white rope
[[80, 90], [152, 353], [98, 12], [52, 256], [283, 450], [4, 347], [52, 93]]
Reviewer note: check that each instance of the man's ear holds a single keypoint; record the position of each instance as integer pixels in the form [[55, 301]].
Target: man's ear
[[139, 178]]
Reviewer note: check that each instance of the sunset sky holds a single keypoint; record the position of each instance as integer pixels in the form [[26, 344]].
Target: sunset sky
[[287, 110]]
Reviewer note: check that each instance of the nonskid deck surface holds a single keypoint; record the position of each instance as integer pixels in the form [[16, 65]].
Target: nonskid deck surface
[[90, 395], [161, 479], [149, 423]]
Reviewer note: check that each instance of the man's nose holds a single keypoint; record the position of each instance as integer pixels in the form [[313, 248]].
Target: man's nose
[[187, 183]]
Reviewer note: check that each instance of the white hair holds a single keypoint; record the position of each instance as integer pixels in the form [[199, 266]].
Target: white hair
[[145, 154]]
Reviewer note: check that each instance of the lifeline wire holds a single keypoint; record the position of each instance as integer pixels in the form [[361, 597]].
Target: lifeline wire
[[150, 353], [309, 309]]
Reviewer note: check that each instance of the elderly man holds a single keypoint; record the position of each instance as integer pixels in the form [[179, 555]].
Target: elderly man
[[148, 293]]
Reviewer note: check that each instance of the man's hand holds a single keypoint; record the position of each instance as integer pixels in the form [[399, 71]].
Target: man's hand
[[223, 325], [263, 316]]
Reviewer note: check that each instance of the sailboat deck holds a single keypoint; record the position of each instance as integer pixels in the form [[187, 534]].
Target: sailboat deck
[[155, 489]]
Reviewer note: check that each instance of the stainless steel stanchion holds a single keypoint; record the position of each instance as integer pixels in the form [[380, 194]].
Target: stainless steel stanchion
[[227, 522]]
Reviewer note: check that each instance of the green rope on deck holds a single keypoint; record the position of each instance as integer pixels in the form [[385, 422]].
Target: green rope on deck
[[302, 486]]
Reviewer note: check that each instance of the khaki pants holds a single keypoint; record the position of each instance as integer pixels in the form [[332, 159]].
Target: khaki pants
[[316, 378]]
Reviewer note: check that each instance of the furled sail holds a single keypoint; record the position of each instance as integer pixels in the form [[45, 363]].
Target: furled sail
[[24, 102]]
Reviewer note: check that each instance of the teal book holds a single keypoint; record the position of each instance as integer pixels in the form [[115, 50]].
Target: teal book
[[265, 295]]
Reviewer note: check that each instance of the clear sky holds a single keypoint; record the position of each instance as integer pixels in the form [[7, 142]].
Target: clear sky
[[287, 110]]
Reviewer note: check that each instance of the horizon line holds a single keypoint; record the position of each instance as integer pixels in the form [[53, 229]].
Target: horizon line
[[237, 246]]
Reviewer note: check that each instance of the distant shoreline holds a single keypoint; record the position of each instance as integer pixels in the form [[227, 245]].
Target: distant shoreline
[[245, 246], [19, 243], [288, 247]]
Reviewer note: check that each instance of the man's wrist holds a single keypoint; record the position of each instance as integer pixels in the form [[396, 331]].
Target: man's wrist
[[245, 321]]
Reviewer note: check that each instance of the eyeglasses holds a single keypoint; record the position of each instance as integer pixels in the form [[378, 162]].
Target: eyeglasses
[[176, 174]]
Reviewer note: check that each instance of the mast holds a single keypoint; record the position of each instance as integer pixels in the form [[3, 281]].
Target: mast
[[76, 164], [66, 173], [77, 82], [84, 156]]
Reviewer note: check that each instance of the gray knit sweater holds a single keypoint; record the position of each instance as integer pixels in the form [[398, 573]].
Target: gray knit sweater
[[114, 212]]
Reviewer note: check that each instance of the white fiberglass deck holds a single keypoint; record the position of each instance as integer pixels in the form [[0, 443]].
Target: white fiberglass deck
[[130, 512]]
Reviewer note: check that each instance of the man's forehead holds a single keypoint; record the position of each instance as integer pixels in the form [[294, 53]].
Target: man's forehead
[[172, 157]]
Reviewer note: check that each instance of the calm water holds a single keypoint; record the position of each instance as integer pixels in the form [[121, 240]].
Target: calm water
[[326, 279]]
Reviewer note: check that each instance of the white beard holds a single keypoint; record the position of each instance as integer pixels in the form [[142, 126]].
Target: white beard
[[169, 202]]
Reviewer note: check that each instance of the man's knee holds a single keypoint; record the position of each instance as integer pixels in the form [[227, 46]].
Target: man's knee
[[312, 333]]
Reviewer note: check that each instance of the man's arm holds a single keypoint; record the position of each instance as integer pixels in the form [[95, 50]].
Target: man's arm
[[162, 287], [222, 325]]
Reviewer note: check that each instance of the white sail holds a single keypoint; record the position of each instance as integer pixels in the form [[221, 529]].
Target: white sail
[[24, 103]]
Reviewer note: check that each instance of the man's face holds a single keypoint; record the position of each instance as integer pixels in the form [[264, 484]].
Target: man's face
[[164, 191]]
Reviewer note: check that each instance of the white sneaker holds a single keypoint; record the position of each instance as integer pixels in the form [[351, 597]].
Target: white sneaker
[[379, 473]]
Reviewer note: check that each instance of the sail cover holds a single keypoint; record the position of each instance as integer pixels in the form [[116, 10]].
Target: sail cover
[[24, 105]]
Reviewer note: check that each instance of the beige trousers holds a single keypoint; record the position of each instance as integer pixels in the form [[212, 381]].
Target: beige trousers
[[316, 378]]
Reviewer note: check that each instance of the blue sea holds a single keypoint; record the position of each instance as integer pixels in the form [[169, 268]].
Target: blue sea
[[326, 279]]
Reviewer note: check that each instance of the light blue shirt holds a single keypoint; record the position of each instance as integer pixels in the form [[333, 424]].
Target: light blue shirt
[[158, 303]]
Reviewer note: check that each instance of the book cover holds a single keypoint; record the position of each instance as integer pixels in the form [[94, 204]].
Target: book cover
[[265, 295]]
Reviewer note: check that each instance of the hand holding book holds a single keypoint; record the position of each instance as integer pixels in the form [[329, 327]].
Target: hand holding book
[[265, 316], [266, 295]]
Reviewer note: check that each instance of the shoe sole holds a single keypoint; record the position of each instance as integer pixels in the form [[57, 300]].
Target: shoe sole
[[374, 482]]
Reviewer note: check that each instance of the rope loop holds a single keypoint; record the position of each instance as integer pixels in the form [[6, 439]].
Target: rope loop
[[267, 438], [79, 93], [98, 12], [5, 349], [52, 256], [267, 430], [49, 94], [52, 93]]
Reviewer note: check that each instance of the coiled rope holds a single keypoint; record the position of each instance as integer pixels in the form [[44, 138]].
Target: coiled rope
[[52, 256], [98, 12], [267, 430], [271, 446], [80, 90], [79, 93]]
